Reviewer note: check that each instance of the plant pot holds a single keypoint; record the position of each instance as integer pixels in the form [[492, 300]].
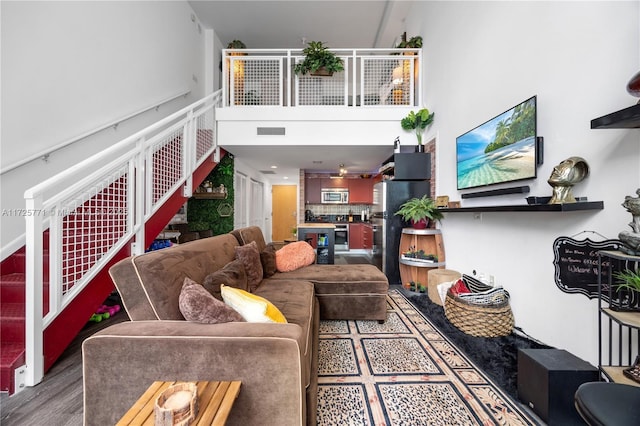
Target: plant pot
[[419, 148], [421, 224], [322, 72]]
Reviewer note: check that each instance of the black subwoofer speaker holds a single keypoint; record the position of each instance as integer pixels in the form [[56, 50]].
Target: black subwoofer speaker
[[548, 380]]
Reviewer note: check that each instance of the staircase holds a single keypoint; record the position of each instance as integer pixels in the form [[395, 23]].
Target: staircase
[[12, 322], [80, 241]]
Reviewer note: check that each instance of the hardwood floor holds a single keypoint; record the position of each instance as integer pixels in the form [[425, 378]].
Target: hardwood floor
[[57, 400]]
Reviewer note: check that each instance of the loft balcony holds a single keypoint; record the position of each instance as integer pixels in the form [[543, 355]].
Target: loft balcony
[[372, 78]]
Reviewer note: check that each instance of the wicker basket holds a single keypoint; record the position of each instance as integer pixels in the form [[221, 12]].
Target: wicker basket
[[479, 320]]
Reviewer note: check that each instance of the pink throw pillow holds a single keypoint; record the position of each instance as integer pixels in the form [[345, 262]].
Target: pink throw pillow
[[294, 256]]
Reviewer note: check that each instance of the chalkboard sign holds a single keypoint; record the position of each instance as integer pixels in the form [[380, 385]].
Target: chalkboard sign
[[576, 264]]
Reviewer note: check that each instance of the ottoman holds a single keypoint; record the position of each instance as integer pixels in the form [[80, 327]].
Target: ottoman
[[348, 292]]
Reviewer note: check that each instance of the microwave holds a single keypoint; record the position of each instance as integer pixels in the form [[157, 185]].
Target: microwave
[[334, 196]]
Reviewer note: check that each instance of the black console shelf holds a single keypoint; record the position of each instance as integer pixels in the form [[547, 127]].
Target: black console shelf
[[628, 118], [585, 205]]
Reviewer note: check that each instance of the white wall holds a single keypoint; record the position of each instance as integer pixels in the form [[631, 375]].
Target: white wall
[[577, 57], [70, 67]]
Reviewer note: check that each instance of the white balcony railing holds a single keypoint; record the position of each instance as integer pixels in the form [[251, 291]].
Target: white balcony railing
[[95, 208], [372, 77]]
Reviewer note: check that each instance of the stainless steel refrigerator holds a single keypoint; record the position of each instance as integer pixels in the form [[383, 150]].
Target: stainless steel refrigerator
[[387, 227]]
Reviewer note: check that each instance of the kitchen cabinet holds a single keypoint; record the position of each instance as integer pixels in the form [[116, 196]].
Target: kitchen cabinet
[[408, 166], [360, 236], [334, 183], [360, 191], [367, 236], [312, 187], [355, 236]]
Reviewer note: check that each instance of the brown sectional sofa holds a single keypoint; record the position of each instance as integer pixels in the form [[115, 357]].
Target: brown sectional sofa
[[277, 363]]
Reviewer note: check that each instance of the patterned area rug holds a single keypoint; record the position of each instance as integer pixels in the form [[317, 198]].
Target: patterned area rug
[[404, 372]]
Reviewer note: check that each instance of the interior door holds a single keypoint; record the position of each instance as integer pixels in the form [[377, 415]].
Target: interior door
[[284, 208]]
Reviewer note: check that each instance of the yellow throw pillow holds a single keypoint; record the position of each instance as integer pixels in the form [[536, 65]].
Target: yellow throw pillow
[[251, 307]]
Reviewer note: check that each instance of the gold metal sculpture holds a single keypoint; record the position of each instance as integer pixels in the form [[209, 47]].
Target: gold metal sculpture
[[564, 176]]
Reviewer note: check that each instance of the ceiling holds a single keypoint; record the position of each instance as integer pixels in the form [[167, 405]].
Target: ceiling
[[288, 24]]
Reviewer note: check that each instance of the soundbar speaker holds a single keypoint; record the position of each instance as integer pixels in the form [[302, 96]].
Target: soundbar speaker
[[492, 192]]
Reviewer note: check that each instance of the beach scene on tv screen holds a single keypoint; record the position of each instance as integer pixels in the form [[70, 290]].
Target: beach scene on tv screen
[[500, 150]]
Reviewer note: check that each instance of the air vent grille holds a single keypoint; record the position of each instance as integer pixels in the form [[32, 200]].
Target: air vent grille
[[271, 131]]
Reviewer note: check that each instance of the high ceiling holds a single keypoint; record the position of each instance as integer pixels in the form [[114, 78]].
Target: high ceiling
[[288, 24]]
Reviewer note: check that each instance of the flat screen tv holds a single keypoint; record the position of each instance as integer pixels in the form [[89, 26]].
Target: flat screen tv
[[500, 150]]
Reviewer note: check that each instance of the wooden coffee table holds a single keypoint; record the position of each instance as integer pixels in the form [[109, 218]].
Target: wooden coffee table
[[215, 400]]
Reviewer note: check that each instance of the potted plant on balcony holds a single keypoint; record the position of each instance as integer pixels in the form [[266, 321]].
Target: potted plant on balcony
[[420, 212], [236, 44], [418, 121], [319, 60], [414, 42]]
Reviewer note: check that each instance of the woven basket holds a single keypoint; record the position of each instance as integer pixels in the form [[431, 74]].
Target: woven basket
[[479, 320]]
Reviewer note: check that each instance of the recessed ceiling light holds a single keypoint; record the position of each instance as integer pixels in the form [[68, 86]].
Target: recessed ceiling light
[[285, 177], [274, 167], [317, 161]]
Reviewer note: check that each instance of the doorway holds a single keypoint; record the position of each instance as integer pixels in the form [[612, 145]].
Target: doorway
[[285, 211]]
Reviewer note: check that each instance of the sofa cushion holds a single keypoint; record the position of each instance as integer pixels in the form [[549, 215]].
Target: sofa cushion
[[294, 256], [150, 283], [233, 275], [252, 308], [250, 257], [198, 305], [248, 234], [340, 279], [296, 300], [268, 259], [344, 291]]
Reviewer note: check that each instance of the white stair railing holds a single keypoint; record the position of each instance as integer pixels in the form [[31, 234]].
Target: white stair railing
[[95, 208]]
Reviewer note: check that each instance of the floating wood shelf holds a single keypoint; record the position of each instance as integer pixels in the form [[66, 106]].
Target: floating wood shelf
[[628, 118], [210, 195], [585, 205]]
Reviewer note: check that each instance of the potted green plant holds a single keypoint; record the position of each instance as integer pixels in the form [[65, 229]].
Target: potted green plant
[[417, 121], [630, 281], [420, 212], [413, 42], [236, 44], [319, 60]]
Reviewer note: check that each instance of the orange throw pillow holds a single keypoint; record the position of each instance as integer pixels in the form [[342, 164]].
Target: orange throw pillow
[[294, 256]]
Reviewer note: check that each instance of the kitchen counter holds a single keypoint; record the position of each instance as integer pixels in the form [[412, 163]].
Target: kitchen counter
[[321, 236], [317, 225]]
